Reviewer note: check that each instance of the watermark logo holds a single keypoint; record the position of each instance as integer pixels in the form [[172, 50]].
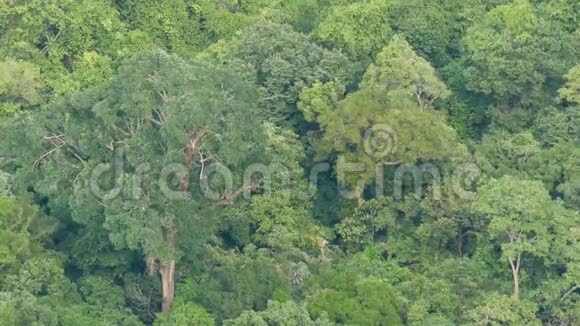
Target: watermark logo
[[380, 141]]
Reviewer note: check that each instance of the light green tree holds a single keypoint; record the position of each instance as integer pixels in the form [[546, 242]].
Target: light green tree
[[23, 228], [348, 298], [387, 122], [504, 310], [520, 213], [512, 52], [278, 313], [174, 24], [185, 315], [19, 86], [401, 79], [571, 90], [359, 29]]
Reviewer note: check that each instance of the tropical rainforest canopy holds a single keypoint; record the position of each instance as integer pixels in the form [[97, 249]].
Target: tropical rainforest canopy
[[289, 162]]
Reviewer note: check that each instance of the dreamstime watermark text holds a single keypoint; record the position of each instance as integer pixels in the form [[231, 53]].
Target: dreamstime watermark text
[[215, 181]]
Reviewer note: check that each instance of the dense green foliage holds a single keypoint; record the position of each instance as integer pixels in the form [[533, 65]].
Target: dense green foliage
[[299, 162]]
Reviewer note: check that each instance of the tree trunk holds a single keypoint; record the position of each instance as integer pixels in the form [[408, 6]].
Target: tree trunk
[[516, 285], [459, 243], [167, 271], [360, 201], [167, 266], [516, 275]]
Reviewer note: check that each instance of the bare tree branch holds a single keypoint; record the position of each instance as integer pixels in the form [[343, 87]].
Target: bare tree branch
[[230, 199]]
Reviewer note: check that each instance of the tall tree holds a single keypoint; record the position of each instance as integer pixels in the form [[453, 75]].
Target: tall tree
[[389, 121], [520, 213], [161, 135]]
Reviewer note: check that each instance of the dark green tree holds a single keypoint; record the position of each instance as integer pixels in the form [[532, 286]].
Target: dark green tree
[[281, 62], [155, 133]]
